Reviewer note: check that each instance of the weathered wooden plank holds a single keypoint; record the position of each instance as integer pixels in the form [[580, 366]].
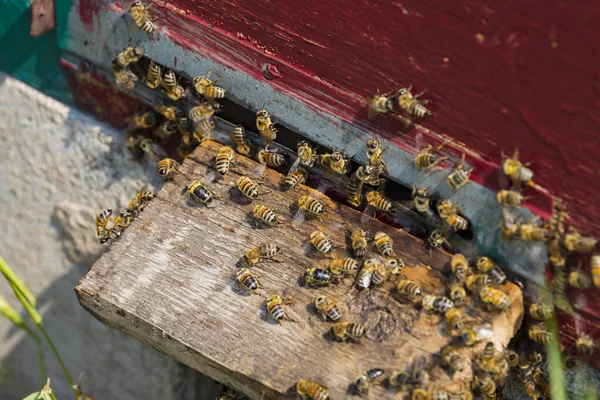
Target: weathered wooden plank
[[168, 283]]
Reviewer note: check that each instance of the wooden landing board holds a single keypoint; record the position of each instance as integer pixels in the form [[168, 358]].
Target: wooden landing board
[[168, 282]]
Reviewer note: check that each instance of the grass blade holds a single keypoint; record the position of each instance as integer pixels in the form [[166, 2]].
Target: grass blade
[[15, 282]]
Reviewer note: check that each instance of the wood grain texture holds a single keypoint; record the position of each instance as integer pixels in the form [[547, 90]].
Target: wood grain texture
[[168, 282]]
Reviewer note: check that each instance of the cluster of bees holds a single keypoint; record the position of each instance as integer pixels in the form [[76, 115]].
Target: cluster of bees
[[190, 112]]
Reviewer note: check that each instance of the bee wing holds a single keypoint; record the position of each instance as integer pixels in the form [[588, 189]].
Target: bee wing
[[260, 169], [158, 151], [368, 213], [371, 112], [420, 141], [299, 218], [209, 177], [294, 166]]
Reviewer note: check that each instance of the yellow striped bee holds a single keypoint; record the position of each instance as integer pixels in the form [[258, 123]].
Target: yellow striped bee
[[128, 56], [165, 131], [384, 244], [459, 177], [205, 109], [379, 104], [103, 230], [574, 242], [494, 297], [248, 282], [584, 345], [265, 215], [427, 160], [580, 280], [317, 277], [445, 208], [167, 167], [539, 334], [476, 282], [411, 104], [144, 120], [167, 111], [457, 222], [247, 187], [125, 78], [363, 383], [409, 289], [338, 161], [224, 158], [306, 155], [294, 179], [376, 200], [265, 124], [487, 387], [139, 13], [271, 157], [123, 220], [184, 124], [595, 268], [354, 185], [454, 317], [311, 390], [153, 75], [203, 128], [420, 198], [460, 267], [453, 359], [327, 308], [509, 198], [365, 276], [485, 264], [476, 334], [311, 205], [200, 193], [274, 306], [518, 173], [532, 232], [439, 304], [381, 274], [139, 201], [244, 146], [458, 295], [348, 331], [206, 87], [320, 241], [541, 311], [509, 225], [437, 239], [169, 83], [512, 358], [399, 379], [265, 251], [358, 242], [343, 266]]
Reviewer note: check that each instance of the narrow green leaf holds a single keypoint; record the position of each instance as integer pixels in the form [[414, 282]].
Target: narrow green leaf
[[33, 313], [15, 282], [33, 396], [8, 312]]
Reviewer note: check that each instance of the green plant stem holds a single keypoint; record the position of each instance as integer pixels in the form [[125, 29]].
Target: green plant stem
[[59, 359], [41, 359], [15, 282]]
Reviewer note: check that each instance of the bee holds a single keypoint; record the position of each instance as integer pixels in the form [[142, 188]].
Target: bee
[[509, 225], [128, 56], [271, 157], [381, 274], [364, 382], [297, 177], [167, 167], [539, 334], [437, 239], [102, 221], [317, 277], [365, 276], [484, 264], [139, 201], [436, 303], [535, 357], [531, 390], [169, 112], [576, 243], [476, 282], [265, 251], [476, 334], [513, 358], [144, 120], [384, 244], [584, 345], [427, 160], [307, 154], [206, 87], [125, 78], [580, 280], [409, 289], [338, 161], [454, 317], [460, 267], [200, 193], [509, 198], [457, 222], [379, 104], [321, 242], [274, 306], [420, 198], [224, 158], [343, 266], [518, 173], [123, 220], [311, 205], [497, 275], [311, 390], [263, 214], [445, 208], [348, 331], [184, 124], [327, 308], [489, 353], [153, 75], [460, 176], [378, 201], [172, 88], [487, 387], [542, 380], [265, 124], [139, 13], [411, 104], [458, 294], [248, 282], [358, 242], [166, 130], [202, 111], [453, 359], [418, 375], [354, 185], [203, 128], [247, 187], [555, 253], [398, 379], [532, 232], [541, 311], [244, 146], [595, 268]]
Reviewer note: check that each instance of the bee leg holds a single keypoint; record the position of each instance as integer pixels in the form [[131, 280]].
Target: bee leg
[[416, 96]]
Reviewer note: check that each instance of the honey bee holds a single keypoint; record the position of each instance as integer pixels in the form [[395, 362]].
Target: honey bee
[[206, 87], [306, 154], [427, 160], [317, 277], [224, 158], [531, 390], [265, 124], [184, 124], [169, 112], [338, 161], [541, 311], [271, 157], [436, 239], [420, 198], [265, 251], [274, 306], [512, 357], [139, 13], [476, 334], [125, 78], [398, 379], [247, 187], [169, 83], [202, 111], [595, 268], [248, 282], [321, 242], [343, 266], [531, 232], [139, 201], [144, 120], [494, 297], [453, 359], [487, 387], [365, 276], [409, 289], [555, 253], [418, 375], [200, 193], [381, 274], [535, 357], [542, 380], [584, 345], [358, 242], [460, 267], [457, 222], [151, 148], [354, 185], [509, 198], [376, 200], [411, 104], [436, 303], [265, 215], [327, 308], [454, 317], [518, 173], [384, 244], [379, 104], [294, 179], [128, 56], [167, 167], [244, 146], [460, 176], [311, 205], [348, 331], [123, 220], [311, 390], [458, 294], [477, 282], [484, 264], [363, 383], [509, 225], [153, 75], [103, 231], [203, 128], [166, 130], [539, 334], [497, 275], [576, 243], [580, 280]]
